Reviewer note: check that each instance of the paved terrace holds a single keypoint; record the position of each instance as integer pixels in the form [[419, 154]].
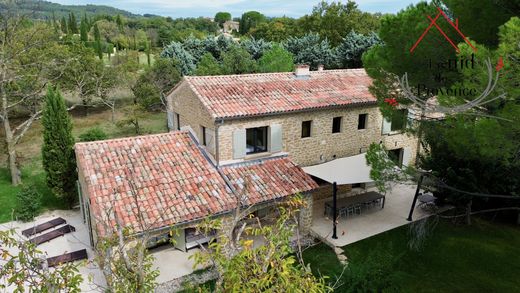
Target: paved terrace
[[370, 222]]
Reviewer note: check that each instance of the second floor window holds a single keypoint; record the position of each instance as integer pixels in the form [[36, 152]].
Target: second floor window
[[256, 140], [306, 128], [178, 118], [362, 121], [203, 135], [336, 124]]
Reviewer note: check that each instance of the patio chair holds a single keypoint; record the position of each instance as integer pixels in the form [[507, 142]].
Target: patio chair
[[343, 212], [350, 211], [357, 209]]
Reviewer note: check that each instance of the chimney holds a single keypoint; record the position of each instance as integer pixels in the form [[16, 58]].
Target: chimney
[[302, 71], [320, 67]]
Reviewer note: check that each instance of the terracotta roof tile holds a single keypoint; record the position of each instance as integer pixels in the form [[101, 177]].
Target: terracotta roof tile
[[269, 179], [227, 96], [173, 181]]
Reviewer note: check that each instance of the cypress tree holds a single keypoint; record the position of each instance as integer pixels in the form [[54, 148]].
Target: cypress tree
[[64, 28], [73, 26], [58, 147], [84, 31], [97, 39]]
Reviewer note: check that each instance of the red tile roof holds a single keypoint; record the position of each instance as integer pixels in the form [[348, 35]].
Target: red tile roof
[[228, 96], [268, 179], [173, 181]]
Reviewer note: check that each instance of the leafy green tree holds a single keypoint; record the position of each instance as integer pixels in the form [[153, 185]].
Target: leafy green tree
[[153, 84], [119, 22], [28, 203], [21, 267], [93, 134], [332, 20], [271, 267], [29, 52], [58, 147], [208, 65], [276, 59], [222, 17], [250, 20], [237, 61], [349, 52], [310, 49], [133, 114], [276, 30]]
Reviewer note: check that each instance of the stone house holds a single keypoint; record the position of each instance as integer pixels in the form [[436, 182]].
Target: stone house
[[311, 116], [252, 132]]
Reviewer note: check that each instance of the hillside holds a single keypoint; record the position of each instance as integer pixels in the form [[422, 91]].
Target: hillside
[[44, 9]]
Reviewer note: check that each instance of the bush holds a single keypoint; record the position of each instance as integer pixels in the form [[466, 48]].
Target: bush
[[28, 203], [93, 134]]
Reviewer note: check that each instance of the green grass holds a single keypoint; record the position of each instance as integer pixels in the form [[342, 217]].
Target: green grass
[[484, 257], [31, 174]]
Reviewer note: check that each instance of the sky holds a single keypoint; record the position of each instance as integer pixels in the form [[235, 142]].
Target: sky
[[194, 8]]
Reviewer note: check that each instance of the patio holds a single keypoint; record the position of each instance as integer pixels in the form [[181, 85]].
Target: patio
[[370, 222], [171, 262]]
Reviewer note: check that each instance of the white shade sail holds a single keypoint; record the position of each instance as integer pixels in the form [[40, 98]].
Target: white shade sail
[[347, 170]]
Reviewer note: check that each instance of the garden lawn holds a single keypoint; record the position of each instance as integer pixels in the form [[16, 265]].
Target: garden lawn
[[484, 257]]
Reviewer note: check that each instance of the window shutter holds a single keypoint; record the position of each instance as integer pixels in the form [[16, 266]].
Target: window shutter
[[410, 116], [239, 143], [387, 125], [170, 120], [210, 142], [407, 156], [276, 138]]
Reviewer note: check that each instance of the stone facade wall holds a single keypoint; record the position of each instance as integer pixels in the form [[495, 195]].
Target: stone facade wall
[[322, 145], [325, 191], [193, 114]]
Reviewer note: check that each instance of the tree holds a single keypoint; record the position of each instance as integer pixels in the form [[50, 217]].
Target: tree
[[176, 52], [63, 24], [132, 115], [29, 54], [58, 157], [237, 61], [310, 49], [349, 52], [73, 25], [28, 203], [276, 30], [153, 84], [84, 30], [256, 47], [222, 17], [276, 59], [208, 65], [80, 73], [93, 134], [332, 20], [271, 267], [250, 20], [481, 20], [24, 267], [97, 40]]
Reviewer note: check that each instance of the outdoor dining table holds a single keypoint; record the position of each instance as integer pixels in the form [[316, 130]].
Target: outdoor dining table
[[353, 200]]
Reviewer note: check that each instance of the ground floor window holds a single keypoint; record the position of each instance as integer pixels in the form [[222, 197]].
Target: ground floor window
[[396, 156]]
